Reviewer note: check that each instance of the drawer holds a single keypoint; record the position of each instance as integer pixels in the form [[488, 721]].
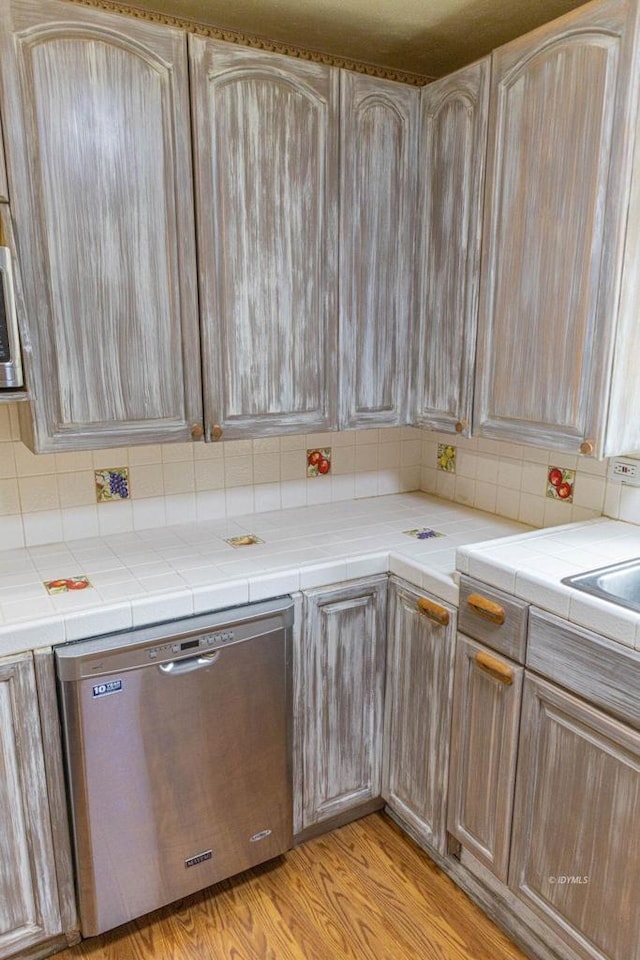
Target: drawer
[[493, 618], [597, 669]]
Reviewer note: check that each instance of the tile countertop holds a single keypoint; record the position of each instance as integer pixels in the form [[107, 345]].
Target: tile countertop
[[531, 566], [154, 575]]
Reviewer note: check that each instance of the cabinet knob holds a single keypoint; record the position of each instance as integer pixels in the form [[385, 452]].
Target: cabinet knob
[[216, 431], [461, 426], [587, 447], [495, 667], [486, 608], [434, 611], [197, 431]]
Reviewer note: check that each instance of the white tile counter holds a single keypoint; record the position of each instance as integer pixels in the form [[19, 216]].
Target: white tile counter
[[532, 567], [154, 575]]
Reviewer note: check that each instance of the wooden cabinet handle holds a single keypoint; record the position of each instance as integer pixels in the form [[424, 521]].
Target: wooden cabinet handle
[[495, 667], [587, 448], [197, 431], [216, 431], [434, 611], [486, 608], [461, 426]]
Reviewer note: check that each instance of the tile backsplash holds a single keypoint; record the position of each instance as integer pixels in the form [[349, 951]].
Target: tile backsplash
[[53, 496]]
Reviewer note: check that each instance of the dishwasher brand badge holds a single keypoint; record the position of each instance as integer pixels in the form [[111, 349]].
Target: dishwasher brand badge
[[104, 689]]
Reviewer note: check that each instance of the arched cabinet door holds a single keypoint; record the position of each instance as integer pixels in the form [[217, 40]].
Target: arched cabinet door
[[266, 162], [554, 207], [379, 138], [453, 138], [96, 119]]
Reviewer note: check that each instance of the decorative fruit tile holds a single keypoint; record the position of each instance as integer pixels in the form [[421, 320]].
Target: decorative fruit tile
[[318, 462], [446, 458], [424, 533], [560, 483], [112, 484], [66, 584], [247, 540]]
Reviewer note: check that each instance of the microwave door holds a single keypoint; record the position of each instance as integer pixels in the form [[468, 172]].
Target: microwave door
[[10, 363]]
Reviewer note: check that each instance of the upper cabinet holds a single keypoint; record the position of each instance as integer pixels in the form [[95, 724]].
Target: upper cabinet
[[97, 135], [266, 162], [555, 340], [378, 140], [451, 170]]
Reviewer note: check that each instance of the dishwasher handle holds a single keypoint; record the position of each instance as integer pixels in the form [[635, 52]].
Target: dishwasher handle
[[176, 668]]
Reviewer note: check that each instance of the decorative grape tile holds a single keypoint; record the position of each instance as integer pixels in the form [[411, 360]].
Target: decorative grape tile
[[423, 534], [247, 540], [446, 458], [112, 484], [318, 462], [64, 585], [560, 484]]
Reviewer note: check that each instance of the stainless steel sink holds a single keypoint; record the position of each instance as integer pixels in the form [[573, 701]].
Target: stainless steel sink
[[618, 583]]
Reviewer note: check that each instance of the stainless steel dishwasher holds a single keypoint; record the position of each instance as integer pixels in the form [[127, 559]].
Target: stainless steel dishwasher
[[177, 743]]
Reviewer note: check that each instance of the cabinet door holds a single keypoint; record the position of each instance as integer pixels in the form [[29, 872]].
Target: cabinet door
[[547, 310], [343, 683], [378, 147], [453, 141], [29, 910], [99, 168], [575, 856], [266, 194], [418, 711], [484, 745]]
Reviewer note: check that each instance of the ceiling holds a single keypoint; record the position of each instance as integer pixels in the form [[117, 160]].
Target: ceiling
[[427, 37]]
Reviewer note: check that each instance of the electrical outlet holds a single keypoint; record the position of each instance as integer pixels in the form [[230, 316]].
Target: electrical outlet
[[625, 471]]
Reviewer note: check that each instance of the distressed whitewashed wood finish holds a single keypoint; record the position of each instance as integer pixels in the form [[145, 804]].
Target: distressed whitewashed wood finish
[[4, 189], [576, 815], [602, 671], [343, 681], [266, 155], [417, 714], [453, 141], [56, 790], [508, 637], [29, 911], [378, 154], [100, 176], [556, 149], [484, 747]]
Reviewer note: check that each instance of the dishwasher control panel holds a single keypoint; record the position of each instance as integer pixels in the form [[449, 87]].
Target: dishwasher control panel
[[177, 647]]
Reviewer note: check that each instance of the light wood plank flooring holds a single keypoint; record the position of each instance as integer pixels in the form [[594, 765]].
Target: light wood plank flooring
[[363, 892]]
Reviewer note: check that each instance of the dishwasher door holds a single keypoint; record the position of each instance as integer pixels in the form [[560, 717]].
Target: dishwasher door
[[178, 757]]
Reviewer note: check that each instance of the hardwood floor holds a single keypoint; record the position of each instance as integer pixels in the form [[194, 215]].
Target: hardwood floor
[[363, 892]]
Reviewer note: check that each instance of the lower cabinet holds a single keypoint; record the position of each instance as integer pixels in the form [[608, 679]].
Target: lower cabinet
[[575, 858], [417, 712], [29, 908], [484, 745], [342, 677]]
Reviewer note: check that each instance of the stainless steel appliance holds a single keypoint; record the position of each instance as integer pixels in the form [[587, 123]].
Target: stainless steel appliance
[[178, 756], [10, 362]]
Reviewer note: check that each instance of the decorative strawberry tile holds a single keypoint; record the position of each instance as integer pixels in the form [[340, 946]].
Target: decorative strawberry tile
[[318, 462], [112, 484], [63, 585], [560, 483], [446, 458]]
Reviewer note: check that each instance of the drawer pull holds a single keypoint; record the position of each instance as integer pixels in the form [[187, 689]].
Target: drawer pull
[[434, 611], [486, 608], [495, 667]]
